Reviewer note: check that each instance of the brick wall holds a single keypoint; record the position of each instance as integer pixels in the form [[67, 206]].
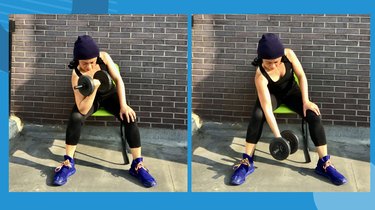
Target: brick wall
[[151, 51], [333, 49]]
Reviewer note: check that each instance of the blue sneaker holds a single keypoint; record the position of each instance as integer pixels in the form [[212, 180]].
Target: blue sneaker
[[326, 169], [242, 170], [139, 171], [64, 171]]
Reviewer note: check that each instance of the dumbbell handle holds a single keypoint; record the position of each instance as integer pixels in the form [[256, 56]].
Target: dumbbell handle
[[86, 84], [78, 86]]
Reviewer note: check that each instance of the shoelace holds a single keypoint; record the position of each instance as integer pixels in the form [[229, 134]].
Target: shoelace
[[327, 164], [139, 166], [65, 163], [243, 161]]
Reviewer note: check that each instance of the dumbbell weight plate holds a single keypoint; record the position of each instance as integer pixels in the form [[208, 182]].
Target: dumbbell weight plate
[[293, 140], [105, 80], [279, 148], [87, 85]]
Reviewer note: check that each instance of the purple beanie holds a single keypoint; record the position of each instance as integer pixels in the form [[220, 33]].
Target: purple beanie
[[270, 47], [85, 48]]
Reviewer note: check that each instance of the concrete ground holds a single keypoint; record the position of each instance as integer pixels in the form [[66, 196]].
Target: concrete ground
[[37, 150], [218, 147]]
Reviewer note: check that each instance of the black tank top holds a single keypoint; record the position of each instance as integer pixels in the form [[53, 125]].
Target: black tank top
[[103, 67], [285, 83]]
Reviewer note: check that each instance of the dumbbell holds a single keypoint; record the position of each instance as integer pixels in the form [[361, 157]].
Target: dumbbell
[[86, 83], [281, 148]]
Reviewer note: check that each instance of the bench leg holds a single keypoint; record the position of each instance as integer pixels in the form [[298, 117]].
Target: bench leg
[[123, 144], [305, 141]]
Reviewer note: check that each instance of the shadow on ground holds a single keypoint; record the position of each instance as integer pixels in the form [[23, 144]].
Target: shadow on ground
[[218, 147], [34, 154]]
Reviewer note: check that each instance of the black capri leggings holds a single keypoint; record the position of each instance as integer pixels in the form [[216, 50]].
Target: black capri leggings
[[112, 105], [293, 100]]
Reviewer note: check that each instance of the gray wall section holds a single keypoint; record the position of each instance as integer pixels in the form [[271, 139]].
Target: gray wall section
[[151, 51], [333, 49]]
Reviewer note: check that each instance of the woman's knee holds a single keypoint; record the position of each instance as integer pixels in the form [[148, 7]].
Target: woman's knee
[[126, 123], [77, 117], [258, 115], [130, 126], [312, 117]]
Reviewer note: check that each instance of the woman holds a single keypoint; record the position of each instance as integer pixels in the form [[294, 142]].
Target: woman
[[275, 85], [87, 61]]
